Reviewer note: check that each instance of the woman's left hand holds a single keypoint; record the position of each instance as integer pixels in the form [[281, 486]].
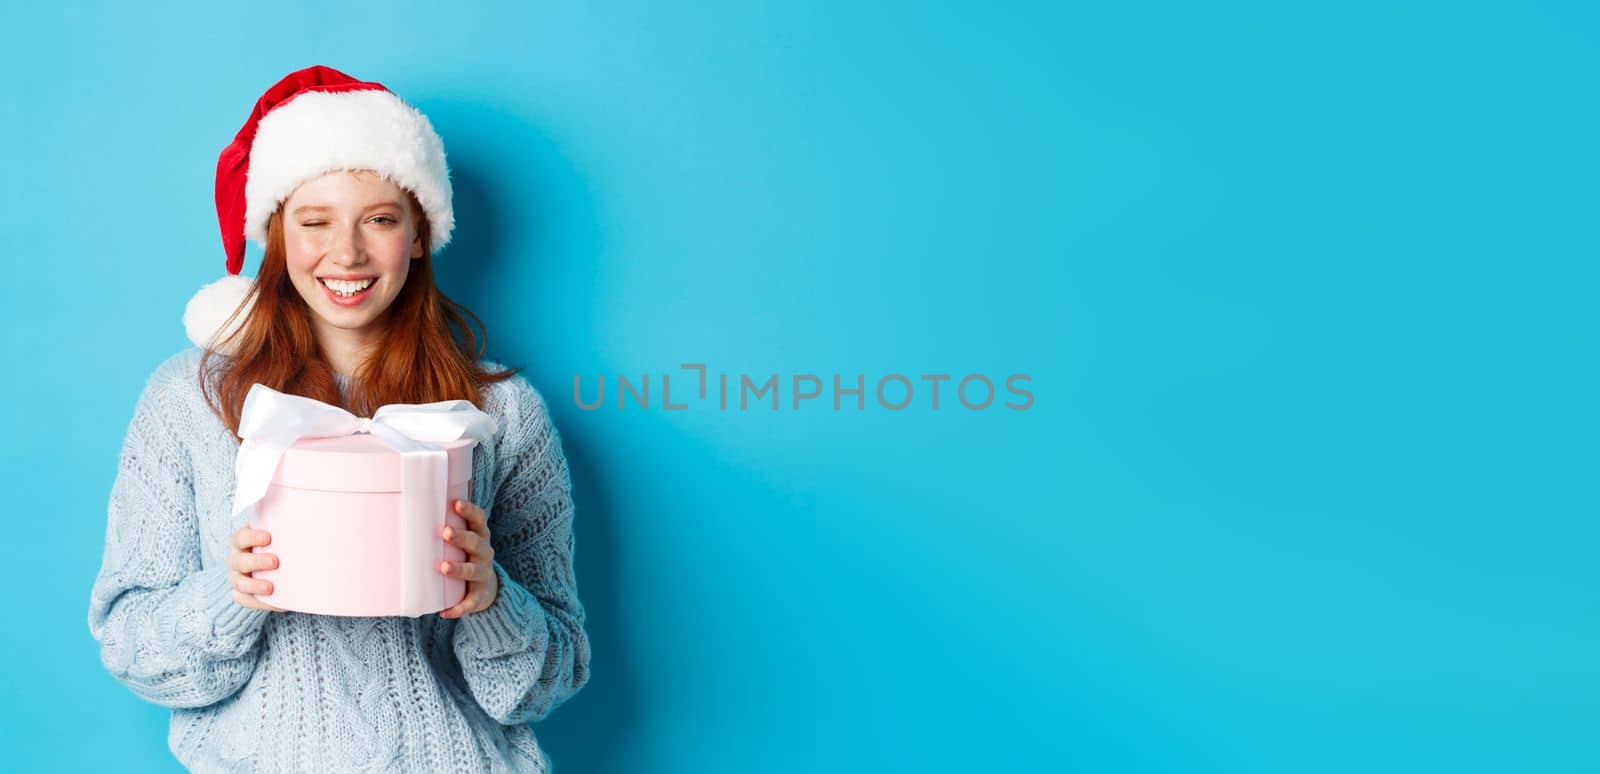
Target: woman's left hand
[[483, 585]]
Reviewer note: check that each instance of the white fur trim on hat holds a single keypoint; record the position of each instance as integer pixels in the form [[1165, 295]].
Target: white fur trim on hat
[[209, 309], [320, 131]]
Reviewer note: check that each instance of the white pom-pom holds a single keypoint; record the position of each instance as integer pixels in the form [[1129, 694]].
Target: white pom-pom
[[209, 309]]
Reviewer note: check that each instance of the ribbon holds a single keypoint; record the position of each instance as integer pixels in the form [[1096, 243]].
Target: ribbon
[[272, 421]]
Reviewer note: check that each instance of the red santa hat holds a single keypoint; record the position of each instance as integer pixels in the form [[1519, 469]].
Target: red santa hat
[[313, 121]]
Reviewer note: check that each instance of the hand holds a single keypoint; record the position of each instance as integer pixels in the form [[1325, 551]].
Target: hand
[[483, 584], [242, 562]]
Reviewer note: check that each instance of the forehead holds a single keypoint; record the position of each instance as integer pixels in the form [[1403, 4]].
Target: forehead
[[351, 187]]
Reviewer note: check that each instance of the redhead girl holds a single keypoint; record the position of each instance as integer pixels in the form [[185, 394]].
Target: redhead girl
[[346, 188]]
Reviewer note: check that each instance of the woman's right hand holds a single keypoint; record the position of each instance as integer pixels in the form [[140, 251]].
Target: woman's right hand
[[242, 562]]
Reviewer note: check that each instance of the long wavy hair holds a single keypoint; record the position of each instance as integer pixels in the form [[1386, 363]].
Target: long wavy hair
[[427, 351]]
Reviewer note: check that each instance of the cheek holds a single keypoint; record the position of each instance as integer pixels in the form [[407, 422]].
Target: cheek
[[393, 246], [300, 254], [392, 254]]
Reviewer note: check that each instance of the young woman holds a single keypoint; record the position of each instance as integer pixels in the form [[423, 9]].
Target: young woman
[[346, 187]]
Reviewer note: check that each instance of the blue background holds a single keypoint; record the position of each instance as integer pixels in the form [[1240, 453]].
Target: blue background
[[1306, 294]]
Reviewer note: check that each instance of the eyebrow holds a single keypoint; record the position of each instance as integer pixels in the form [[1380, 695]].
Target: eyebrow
[[308, 208]]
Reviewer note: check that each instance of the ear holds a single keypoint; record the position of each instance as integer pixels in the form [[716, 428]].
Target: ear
[[416, 248]]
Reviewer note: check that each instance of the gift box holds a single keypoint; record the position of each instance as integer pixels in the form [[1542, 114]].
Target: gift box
[[356, 507]]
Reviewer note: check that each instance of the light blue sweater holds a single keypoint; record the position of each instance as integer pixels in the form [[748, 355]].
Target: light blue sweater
[[256, 690]]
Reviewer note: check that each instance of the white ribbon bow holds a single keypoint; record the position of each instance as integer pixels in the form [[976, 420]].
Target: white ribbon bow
[[272, 421]]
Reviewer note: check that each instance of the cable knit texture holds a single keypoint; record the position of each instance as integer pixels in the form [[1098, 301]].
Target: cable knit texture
[[252, 690]]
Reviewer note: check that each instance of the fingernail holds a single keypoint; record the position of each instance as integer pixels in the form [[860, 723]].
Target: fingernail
[[444, 567], [449, 533]]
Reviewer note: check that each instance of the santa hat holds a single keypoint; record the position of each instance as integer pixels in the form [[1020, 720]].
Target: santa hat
[[313, 121]]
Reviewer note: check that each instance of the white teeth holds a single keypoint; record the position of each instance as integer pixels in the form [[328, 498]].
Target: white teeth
[[347, 288]]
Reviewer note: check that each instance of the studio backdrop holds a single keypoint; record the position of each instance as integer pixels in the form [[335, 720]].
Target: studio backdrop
[[1008, 387]]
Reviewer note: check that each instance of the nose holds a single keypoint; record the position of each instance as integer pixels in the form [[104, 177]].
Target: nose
[[348, 247]]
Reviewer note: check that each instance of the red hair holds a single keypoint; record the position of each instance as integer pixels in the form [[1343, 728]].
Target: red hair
[[426, 353]]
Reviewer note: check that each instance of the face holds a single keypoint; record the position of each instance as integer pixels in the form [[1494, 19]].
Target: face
[[349, 238]]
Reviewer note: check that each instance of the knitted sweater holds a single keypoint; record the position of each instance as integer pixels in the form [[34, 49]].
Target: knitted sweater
[[255, 690]]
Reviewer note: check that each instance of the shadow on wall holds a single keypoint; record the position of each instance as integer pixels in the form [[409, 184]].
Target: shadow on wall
[[591, 732]]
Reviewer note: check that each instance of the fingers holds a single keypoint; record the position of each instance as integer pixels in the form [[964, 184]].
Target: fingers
[[477, 518], [248, 562], [473, 572], [471, 603], [249, 585], [248, 537], [475, 539], [479, 573], [477, 546], [458, 610], [242, 561], [463, 539], [246, 600]]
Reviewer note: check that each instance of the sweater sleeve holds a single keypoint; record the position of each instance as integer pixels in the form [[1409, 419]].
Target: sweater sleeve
[[168, 627], [527, 653]]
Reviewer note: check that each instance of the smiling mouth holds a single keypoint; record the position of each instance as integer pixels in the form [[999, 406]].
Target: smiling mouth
[[347, 289]]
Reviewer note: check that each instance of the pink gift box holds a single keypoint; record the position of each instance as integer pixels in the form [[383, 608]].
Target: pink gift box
[[334, 512]]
